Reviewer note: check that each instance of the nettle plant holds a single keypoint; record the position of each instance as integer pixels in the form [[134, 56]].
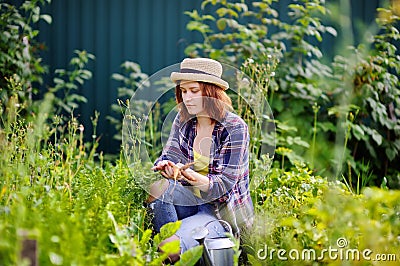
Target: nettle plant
[[239, 34], [372, 122]]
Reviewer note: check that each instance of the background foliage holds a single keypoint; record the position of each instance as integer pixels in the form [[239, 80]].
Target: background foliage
[[349, 106]]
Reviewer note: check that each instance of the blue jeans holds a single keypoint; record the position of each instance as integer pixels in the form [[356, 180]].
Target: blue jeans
[[179, 203]]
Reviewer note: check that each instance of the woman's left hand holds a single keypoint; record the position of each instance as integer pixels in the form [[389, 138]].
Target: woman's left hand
[[186, 173]]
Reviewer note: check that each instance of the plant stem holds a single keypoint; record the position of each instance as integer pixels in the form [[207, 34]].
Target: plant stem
[[315, 109]]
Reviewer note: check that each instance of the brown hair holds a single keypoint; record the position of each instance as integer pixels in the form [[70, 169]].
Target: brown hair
[[216, 101]]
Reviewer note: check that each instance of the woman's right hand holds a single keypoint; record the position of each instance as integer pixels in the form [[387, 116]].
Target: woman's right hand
[[168, 169], [160, 165]]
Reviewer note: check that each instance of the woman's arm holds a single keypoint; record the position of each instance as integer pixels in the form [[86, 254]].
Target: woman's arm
[[232, 162], [230, 165]]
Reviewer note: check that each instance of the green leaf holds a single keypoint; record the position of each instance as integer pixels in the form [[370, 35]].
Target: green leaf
[[221, 24], [295, 158], [331, 30], [194, 14], [171, 247], [145, 238], [86, 74], [327, 126], [223, 11], [190, 257], [358, 132], [58, 81], [46, 18], [241, 7], [298, 141], [286, 128], [166, 231], [391, 153], [36, 14], [216, 54], [198, 26], [206, 2], [170, 228], [253, 261], [207, 17], [377, 137], [396, 144]]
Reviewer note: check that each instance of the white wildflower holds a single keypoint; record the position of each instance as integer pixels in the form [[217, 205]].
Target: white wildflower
[[245, 81]]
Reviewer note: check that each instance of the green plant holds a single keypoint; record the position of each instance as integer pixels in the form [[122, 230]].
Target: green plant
[[374, 130], [143, 104], [67, 82], [63, 197], [19, 52], [131, 79], [239, 33], [256, 37], [250, 102], [304, 215]]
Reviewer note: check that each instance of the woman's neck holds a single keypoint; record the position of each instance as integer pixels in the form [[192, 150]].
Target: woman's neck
[[204, 121]]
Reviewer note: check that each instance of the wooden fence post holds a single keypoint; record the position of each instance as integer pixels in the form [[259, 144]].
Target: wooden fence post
[[29, 247]]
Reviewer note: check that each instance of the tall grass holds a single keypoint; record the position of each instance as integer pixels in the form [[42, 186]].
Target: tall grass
[[58, 189]]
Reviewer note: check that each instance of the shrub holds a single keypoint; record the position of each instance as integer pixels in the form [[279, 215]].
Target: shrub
[[20, 62], [336, 117]]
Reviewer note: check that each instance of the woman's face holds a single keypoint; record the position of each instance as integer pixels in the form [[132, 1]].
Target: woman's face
[[192, 97]]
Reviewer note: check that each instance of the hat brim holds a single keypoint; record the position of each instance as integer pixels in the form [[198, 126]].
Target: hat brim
[[177, 76]]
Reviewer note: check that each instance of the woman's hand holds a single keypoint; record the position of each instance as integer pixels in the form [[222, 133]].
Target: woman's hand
[[187, 174], [167, 169], [160, 165], [174, 171]]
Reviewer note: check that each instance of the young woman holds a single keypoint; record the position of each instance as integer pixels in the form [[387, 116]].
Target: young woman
[[205, 161]]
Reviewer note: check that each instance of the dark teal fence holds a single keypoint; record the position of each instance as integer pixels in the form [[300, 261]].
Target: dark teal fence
[[150, 32]]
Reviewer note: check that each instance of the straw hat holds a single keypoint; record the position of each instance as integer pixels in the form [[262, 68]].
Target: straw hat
[[200, 69]]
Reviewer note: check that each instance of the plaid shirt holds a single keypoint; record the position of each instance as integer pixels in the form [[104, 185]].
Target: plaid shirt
[[228, 169]]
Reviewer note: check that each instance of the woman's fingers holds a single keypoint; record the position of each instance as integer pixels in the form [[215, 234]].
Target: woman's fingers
[[171, 170], [179, 165], [164, 174], [160, 165], [187, 175], [168, 170]]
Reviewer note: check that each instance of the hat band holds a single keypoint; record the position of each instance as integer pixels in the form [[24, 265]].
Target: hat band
[[195, 71]]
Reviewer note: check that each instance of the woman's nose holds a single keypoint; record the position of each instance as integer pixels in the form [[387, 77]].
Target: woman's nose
[[189, 95]]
